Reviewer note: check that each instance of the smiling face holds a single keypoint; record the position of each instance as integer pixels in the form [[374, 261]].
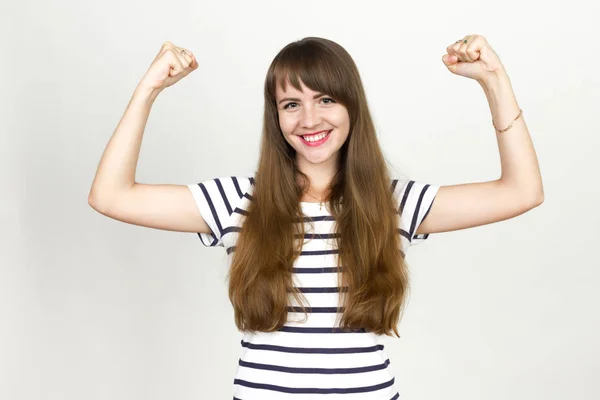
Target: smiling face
[[306, 112]]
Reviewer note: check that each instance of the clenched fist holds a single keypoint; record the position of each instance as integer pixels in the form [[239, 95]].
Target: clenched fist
[[170, 65]]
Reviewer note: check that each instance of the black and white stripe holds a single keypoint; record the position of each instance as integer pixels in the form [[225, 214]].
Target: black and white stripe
[[310, 358]]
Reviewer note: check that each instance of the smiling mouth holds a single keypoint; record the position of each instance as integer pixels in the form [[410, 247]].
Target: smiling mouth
[[322, 137], [312, 135]]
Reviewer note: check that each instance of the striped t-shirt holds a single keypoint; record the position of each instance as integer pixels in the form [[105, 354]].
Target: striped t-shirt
[[309, 359]]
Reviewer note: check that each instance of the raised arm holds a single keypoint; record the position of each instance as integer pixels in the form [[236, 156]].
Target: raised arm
[[114, 192], [519, 187]]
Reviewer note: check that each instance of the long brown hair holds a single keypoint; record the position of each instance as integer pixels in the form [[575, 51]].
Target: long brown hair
[[360, 199]]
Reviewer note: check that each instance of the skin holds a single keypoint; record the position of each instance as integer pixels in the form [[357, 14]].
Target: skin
[[301, 113]]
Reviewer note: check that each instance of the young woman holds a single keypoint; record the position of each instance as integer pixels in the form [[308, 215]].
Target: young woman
[[316, 239]]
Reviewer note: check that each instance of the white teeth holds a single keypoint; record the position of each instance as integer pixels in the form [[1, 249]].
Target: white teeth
[[316, 137]]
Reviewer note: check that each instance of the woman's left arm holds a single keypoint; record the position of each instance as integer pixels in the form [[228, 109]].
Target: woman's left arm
[[519, 188]]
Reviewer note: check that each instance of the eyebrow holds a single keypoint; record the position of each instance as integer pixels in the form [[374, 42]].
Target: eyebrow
[[295, 99]]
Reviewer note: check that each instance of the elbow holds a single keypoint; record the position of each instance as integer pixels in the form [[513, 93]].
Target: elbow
[[539, 196], [103, 200], [536, 199], [538, 202], [92, 203], [531, 195], [96, 204]]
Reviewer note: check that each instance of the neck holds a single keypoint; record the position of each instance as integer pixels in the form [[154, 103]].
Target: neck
[[319, 175]]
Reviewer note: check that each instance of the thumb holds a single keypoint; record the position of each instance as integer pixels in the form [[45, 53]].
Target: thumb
[[451, 62]]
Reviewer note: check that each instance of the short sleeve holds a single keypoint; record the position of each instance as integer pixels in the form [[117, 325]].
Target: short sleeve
[[415, 200], [217, 200]]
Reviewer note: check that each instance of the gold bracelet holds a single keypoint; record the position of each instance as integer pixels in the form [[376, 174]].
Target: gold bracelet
[[511, 124]]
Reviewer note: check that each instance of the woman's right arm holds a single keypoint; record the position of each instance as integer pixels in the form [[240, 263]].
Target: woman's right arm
[[114, 192]]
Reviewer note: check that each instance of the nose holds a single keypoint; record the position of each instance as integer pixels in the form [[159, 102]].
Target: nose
[[310, 117]]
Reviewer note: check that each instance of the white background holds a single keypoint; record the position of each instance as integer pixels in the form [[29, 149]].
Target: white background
[[92, 308]]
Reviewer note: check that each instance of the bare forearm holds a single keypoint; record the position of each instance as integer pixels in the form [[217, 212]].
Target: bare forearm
[[518, 158], [117, 167]]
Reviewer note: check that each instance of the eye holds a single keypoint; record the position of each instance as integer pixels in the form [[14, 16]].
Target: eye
[[327, 100]]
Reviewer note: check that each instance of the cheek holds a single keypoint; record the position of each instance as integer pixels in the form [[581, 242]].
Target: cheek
[[286, 124], [342, 119]]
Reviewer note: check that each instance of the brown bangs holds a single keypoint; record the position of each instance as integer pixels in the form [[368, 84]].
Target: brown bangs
[[314, 65]]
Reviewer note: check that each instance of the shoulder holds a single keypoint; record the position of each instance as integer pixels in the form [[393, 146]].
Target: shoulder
[[414, 201], [408, 190], [224, 192]]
